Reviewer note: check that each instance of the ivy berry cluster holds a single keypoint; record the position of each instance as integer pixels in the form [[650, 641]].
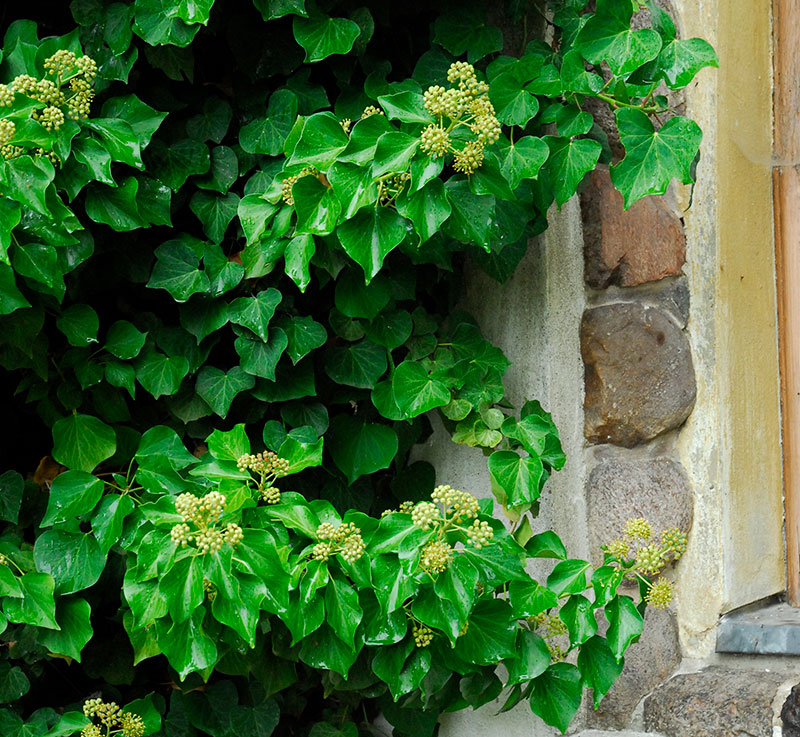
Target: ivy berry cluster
[[344, 540], [201, 517], [267, 467], [114, 722]]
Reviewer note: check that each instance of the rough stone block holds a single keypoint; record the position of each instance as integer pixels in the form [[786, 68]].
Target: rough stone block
[[790, 713], [639, 374], [716, 702], [648, 663], [617, 490], [670, 294], [628, 247]]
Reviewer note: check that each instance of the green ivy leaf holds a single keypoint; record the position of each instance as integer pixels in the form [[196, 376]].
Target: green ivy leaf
[[154, 24], [599, 668], [256, 312], [11, 298], [115, 206], [267, 135], [427, 208], [680, 61], [14, 684], [143, 119], [38, 261], [72, 494], [359, 365], [255, 214], [570, 160], [556, 695], [364, 137], [546, 545], [317, 207], [297, 257], [191, 11], [75, 561], [514, 105], [568, 577], [532, 659], [492, 633], [370, 236], [515, 479], [322, 36], [37, 605], [390, 329], [407, 106], [464, 30], [215, 212], [26, 180], [653, 158], [188, 646], [182, 587], [473, 215], [607, 36], [342, 611], [73, 617], [523, 159], [359, 448], [353, 185], [575, 78], [577, 613], [625, 624], [260, 358], [10, 214], [529, 598], [81, 442], [177, 268], [393, 153], [223, 273], [271, 9], [304, 335], [416, 391], [124, 340], [108, 519], [173, 164], [12, 486], [94, 156], [223, 173], [80, 324], [219, 388], [119, 139], [321, 140], [161, 375]]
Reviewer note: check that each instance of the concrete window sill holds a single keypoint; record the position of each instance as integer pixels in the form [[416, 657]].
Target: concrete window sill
[[768, 627]]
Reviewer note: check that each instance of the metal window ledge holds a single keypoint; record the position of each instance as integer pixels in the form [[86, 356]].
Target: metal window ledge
[[769, 627]]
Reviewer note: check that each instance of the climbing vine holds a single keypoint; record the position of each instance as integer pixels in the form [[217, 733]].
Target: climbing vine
[[231, 236]]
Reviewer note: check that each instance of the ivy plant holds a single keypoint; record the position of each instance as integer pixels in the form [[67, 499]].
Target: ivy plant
[[231, 236]]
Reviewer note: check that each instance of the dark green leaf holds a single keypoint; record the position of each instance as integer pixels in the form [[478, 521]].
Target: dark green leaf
[[556, 695], [464, 30], [26, 180], [473, 215], [73, 616], [124, 340], [578, 614], [317, 206], [515, 479], [625, 624], [80, 324], [260, 358], [322, 138], [415, 391], [173, 164], [219, 388], [159, 374], [360, 448], [532, 658], [568, 577], [108, 520], [177, 268], [267, 135], [11, 487], [599, 669], [546, 545], [75, 561], [491, 635], [72, 494], [322, 36], [529, 598], [570, 160], [271, 9], [81, 442], [369, 237], [37, 605], [215, 212], [255, 313]]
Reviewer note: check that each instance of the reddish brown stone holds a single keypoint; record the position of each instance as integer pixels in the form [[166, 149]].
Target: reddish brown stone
[[639, 376], [628, 247]]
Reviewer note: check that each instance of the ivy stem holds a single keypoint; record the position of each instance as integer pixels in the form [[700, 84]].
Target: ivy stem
[[614, 102]]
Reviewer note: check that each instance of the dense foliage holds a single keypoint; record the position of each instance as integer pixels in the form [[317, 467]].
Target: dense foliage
[[230, 243]]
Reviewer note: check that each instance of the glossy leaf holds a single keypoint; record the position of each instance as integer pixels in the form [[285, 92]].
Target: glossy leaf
[[360, 448], [81, 442]]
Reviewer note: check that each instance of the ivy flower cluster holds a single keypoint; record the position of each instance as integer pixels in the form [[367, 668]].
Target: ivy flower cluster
[[448, 511], [113, 720], [77, 73], [201, 517], [289, 182], [268, 467], [644, 557], [464, 105], [344, 540], [550, 627]]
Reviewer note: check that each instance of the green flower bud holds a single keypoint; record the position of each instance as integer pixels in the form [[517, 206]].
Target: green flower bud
[[660, 594], [639, 529], [424, 515], [435, 557], [423, 636]]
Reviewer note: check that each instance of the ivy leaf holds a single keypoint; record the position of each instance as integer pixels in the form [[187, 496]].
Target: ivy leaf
[[161, 375], [393, 152], [653, 158], [529, 598], [515, 479], [255, 313], [271, 9], [119, 139], [390, 329], [14, 684], [492, 633], [297, 257], [473, 215], [12, 486], [546, 545], [177, 268], [321, 139], [255, 214], [154, 24], [26, 180], [215, 212], [219, 388], [81, 442], [415, 391], [72, 494], [10, 214], [369, 237], [75, 561], [80, 324], [143, 119], [192, 11], [73, 617], [115, 206], [359, 448], [625, 624], [317, 207], [173, 164], [187, 646], [359, 365], [124, 340], [304, 335], [464, 30], [353, 185], [223, 173], [322, 36], [427, 208], [577, 614], [608, 36], [223, 273], [599, 669], [10, 297], [342, 611], [407, 106], [513, 103], [680, 61], [523, 159], [556, 695], [568, 577], [570, 160], [575, 78], [532, 659], [261, 358], [37, 605], [364, 137], [267, 135], [108, 519]]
